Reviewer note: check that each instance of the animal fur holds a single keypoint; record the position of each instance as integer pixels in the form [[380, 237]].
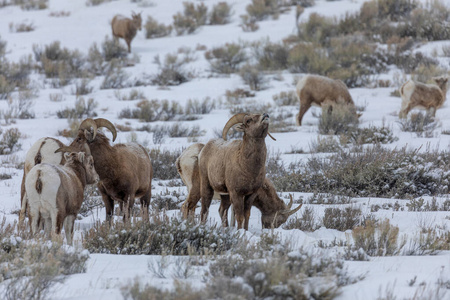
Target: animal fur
[[126, 28]]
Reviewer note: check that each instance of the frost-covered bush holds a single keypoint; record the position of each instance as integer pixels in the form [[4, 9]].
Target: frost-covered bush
[[338, 119], [262, 9], [327, 144], [153, 29], [271, 56], [171, 70], [9, 142], [167, 200], [252, 76], [374, 172], [373, 135], [161, 235], [163, 162], [341, 219], [422, 124], [307, 222]]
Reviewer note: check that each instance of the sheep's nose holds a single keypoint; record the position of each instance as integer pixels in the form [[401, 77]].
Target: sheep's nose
[[265, 115]]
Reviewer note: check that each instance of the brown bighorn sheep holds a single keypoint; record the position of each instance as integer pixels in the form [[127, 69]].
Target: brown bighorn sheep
[[236, 168], [55, 193], [126, 28], [318, 91], [125, 170], [427, 96], [274, 211]]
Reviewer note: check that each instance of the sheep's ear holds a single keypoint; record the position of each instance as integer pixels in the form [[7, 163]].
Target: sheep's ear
[[89, 134], [239, 127], [81, 156], [67, 156]]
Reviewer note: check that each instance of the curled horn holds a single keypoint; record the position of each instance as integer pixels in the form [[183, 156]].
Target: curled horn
[[107, 124], [288, 211], [87, 124], [271, 136], [290, 202], [67, 149], [237, 118]]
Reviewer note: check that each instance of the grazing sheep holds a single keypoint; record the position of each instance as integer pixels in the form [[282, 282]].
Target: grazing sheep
[[319, 90], [236, 168], [125, 170], [55, 192], [427, 96], [274, 211], [126, 28]]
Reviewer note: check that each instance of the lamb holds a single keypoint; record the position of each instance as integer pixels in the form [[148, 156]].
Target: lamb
[[274, 211], [236, 168], [319, 91], [55, 192], [126, 28], [125, 170], [427, 96]]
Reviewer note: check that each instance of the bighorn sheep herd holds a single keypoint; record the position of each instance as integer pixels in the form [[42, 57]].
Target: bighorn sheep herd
[[55, 175]]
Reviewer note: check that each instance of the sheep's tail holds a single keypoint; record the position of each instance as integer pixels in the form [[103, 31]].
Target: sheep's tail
[[39, 183]]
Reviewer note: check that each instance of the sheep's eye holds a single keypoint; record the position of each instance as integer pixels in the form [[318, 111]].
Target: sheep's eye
[[248, 121]]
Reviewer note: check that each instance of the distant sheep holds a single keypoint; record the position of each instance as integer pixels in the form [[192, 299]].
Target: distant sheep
[[427, 96], [319, 90], [55, 193], [126, 28]]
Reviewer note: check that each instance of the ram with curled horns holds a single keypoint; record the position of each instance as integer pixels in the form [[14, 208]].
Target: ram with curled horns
[[125, 170], [235, 169]]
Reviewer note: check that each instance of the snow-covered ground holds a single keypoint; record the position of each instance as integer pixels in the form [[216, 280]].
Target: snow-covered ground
[[90, 24]]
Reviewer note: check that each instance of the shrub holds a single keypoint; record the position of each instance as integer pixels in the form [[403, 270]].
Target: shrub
[[373, 172], [341, 219], [262, 9], [115, 76], [286, 98], [32, 4], [226, 59], [171, 71], [167, 200], [184, 24], [373, 135], [13, 75], [82, 87], [428, 242], [271, 56], [112, 49], [309, 58], [10, 141], [82, 110], [133, 95], [252, 76], [200, 107], [197, 12], [422, 124], [377, 239], [154, 110], [338, 119], [21, 27], [236, 96], [248, 24], [318, 29], [96, 2], [163, 162], [220, 14], [326, 145], [307, 222], [153, 29], [162, 235]]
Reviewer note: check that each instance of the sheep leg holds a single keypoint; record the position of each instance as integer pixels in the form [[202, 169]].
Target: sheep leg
[[46, 223], [248, 203], [34, 219], [223, 209], [404, 112], [188, 208], [129, 45], [432, 111], [303, 109], [109, 203], [239, 209], [69, 222], [206, 194]]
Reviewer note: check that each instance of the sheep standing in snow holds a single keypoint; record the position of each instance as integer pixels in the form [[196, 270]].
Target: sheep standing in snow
[[55, 192], [319, 90], [427, 96], [126, 28]]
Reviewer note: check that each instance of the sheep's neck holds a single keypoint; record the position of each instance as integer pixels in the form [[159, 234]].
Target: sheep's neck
[[253, 154], [103, 160], [80, 173]]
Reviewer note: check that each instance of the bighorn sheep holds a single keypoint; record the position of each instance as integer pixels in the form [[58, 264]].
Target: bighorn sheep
[[125, 170], [274, 211], [319, 90], [126, 28], [236, 168], [55, 193], [427, 96], [42, 151]]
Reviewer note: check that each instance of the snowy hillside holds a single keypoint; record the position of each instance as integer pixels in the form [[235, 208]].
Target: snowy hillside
[[387, 176]]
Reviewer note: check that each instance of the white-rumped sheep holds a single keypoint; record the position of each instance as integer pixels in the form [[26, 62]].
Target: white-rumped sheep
[[236, 168], [274, 211], [42, 151], [318, 91], [426, 96], [125, 170], [126, 28], [55, 193]]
